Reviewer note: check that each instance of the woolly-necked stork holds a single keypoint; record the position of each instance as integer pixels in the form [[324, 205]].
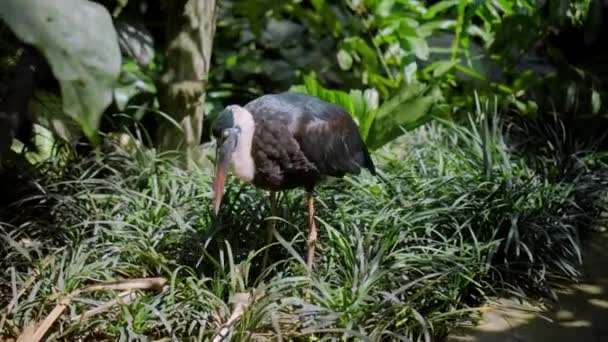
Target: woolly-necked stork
[[284, 141]]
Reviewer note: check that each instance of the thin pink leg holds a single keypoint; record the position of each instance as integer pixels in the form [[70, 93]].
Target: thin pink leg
[[312, 235]]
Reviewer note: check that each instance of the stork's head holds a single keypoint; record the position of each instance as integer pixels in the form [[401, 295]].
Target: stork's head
[[233, 131]]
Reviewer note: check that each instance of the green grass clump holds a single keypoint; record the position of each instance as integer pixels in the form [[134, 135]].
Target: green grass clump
[[454, 218]]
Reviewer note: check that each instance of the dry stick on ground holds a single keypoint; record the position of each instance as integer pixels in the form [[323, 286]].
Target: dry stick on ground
[[125, 285], [125, 297], [241, 302]]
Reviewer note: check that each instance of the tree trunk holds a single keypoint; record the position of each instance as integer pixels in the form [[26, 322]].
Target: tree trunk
[[182, 85]]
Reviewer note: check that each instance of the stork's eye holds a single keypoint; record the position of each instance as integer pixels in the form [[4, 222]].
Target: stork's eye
[[226, 133]]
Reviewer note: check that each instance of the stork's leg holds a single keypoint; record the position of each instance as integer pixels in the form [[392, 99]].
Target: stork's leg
[[270, 226], [312, 234]]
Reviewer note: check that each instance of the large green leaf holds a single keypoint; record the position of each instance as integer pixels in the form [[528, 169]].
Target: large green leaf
[[49, 111], [410, 108], [365, 104], [439, 7], [361, 105], [419, 47], [80, 43], [359, 47]]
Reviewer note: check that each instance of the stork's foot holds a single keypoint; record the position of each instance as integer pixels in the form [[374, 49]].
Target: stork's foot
[[312, 234]]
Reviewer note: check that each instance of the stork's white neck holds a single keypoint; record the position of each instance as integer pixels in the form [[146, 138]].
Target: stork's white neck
[[242, 161]]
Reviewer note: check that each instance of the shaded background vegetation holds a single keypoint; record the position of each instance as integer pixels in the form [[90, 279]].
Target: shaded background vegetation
[[486, 118], [434, 52]]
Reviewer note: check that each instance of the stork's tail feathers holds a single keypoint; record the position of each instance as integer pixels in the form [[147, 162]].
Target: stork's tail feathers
[[367, 161]]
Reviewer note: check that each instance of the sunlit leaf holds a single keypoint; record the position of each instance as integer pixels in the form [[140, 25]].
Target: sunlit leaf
[[344, 60], [419, 47], [410, 72], [596, 101], [441, 67], [438, 24], [383, 8], [356, 45], [49, 111], [410, 108], [439, 7]]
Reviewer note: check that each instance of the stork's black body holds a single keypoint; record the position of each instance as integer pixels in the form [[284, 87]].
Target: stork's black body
[[285, 141], [299, 139]]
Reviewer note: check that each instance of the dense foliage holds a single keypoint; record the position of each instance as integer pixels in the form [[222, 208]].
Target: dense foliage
[[469, 202], [456, 217], [438, 51]]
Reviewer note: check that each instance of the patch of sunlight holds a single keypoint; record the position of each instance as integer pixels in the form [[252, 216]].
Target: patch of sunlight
[[568, 291], [576, 324], [563, 315], [589, 289], [456, 338], [601, 303], [503, 320]]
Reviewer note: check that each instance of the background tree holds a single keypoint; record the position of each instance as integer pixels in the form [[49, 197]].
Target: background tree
[[182, 85]]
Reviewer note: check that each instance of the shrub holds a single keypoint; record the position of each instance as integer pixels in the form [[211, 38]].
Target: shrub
[[454, 217]]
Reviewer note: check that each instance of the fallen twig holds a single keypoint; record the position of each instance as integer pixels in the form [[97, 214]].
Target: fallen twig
[[241, 302], [128, 285], [125, 297]]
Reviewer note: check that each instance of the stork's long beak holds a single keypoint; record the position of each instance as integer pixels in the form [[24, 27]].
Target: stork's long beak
[[223, 157]]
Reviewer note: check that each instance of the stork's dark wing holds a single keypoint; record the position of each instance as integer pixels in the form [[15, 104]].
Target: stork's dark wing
[[332, 142], [326, 133], [279, 160]]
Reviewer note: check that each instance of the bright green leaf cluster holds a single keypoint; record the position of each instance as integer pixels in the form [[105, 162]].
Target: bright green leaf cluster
[[379, 124]]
